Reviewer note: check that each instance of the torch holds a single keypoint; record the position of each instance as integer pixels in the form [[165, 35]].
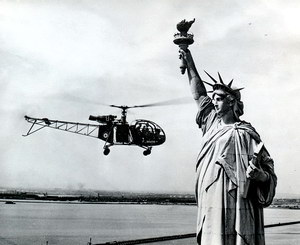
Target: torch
[[183, 39]]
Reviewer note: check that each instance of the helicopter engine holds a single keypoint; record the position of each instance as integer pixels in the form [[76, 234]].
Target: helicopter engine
[[102, 119], [105, 128]]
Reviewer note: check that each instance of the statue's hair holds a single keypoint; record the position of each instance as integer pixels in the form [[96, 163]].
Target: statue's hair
[[238, 108]]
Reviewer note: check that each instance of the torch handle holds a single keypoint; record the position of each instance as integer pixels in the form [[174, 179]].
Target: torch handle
[[183, 64]]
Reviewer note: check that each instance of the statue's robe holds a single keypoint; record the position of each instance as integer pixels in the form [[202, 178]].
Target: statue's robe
[[230, 206]]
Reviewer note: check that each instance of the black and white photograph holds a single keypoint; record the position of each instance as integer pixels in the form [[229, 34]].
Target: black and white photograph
[[149, 122]]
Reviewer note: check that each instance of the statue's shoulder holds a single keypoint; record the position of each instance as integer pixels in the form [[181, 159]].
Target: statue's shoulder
[[247, 128], [245, 124]]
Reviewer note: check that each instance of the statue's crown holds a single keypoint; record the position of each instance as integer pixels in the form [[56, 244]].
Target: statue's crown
[[221, 85]]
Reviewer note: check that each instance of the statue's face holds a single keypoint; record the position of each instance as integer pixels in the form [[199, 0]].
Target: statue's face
[[221, 102]]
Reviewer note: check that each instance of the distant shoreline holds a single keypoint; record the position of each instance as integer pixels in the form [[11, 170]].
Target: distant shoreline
[[108, 197], [286, 206], [84, 202]]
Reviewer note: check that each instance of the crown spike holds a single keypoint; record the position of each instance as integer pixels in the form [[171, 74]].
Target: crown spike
[[238, 89], [230, 83], [211, 77], [208, 83], [220, 78]]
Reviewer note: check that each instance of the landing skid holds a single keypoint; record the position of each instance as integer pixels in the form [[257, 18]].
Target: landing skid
[[146, 152]]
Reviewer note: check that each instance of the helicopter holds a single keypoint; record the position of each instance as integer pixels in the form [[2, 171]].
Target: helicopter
[[110, 129]]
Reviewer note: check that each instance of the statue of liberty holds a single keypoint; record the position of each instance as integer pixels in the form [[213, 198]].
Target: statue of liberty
[[235, 173]]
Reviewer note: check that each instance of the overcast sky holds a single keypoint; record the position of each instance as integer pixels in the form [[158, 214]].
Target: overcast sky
[[122, 52]]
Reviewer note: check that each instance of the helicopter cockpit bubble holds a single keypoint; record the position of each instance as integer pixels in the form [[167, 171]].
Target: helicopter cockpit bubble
[[147, 132]]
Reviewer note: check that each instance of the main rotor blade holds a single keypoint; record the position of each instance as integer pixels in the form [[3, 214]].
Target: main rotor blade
[[178, 101], [122, 107], [72, 98]]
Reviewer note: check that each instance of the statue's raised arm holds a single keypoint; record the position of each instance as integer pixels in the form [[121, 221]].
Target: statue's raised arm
[[196, 83], [183, 39]]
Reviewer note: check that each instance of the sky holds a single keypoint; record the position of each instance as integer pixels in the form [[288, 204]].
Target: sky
[[65, 59]]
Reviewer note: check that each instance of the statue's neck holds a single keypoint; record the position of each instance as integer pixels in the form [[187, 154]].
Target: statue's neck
[[228, 118]]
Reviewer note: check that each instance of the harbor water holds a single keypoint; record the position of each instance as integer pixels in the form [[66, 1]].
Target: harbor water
[[65, 224]]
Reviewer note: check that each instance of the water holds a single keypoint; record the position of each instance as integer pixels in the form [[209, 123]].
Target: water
[[66, 224]]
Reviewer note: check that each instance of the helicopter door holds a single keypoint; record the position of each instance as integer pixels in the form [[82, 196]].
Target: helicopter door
[[122, 133]]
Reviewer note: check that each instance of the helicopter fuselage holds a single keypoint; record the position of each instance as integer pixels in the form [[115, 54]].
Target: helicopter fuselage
[[140, 132]]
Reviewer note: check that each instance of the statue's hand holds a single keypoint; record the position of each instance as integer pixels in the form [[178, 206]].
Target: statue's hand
[[186, 56], [256, 173]]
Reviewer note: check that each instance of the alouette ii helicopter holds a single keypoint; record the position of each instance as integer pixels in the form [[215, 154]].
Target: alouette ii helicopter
[[113, 131]]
